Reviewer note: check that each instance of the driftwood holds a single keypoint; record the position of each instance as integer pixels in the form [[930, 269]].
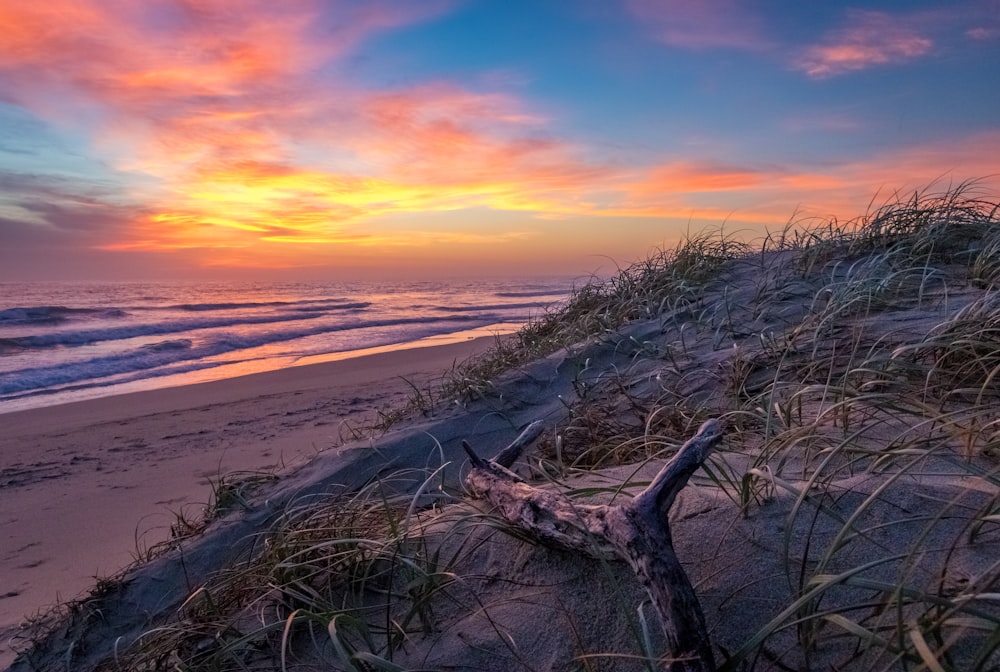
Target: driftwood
[[637, 532]]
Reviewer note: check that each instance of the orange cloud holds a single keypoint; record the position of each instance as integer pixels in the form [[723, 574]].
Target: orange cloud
[[269, 206], [696, 178], [869, 39], [969, 157], [707, 194], [433, 148], [210, 99]]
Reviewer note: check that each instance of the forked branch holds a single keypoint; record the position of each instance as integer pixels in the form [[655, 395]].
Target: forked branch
[[637, 532]]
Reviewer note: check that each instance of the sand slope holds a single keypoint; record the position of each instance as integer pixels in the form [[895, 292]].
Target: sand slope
[[849, 521]]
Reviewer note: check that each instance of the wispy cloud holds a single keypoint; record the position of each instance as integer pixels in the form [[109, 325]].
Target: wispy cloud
[[765, 196], [429, 148], [691, 177], [61, 205], [708, 24], [967, 157], [981, 34], [867, 40], [822, 122], [218, 101], [44, 217], [979, 20]]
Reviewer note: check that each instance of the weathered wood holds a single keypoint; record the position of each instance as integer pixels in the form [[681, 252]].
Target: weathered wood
[[637, 532], [508, 456]]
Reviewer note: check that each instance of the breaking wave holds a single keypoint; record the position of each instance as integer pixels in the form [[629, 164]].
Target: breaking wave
[[148, 358]]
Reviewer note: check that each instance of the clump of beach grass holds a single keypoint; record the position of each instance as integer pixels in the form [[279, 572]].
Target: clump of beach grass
[[325, 570]]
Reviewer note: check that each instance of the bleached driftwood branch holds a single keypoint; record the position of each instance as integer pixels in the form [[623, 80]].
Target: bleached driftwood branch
[[638, 532]]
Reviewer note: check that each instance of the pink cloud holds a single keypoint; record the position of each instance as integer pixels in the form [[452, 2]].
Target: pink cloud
[[690, 177], [707, 24], [970, 157], [442, 135], [869, 39], [196, 94], [759, 196], [158, 61]]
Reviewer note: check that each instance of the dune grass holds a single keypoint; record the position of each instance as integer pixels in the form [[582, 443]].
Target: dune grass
[[856, 368], [353, 571]]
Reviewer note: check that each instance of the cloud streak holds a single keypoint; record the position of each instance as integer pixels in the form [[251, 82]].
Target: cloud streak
[[708, 24], [868, 39], [223, 105], [216, 100]]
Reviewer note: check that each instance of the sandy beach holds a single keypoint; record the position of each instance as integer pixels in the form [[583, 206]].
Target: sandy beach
[[85, 486]]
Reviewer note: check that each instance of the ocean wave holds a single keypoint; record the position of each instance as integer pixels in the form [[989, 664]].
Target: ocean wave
[[166, 346], [39, 315], [323, 306], [90, 336], [496, 306], [148, 360], [42, 377], [9, 347], [539, 292], [169, 370], [329, 303]]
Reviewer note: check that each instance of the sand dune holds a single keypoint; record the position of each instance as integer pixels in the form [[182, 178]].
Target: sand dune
[[848, 520]]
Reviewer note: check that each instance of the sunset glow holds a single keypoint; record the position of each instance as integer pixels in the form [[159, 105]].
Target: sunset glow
[[337, 139]]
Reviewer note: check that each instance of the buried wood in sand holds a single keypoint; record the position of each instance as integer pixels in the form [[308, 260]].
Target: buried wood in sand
[[637, 532]]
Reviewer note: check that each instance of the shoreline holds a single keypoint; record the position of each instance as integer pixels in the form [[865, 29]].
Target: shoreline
[[239, 370], [86, 485]]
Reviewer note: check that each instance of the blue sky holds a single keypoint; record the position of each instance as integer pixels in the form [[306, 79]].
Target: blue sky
[[322, 139]]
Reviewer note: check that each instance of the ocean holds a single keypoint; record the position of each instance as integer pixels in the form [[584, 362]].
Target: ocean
[[62, 342]]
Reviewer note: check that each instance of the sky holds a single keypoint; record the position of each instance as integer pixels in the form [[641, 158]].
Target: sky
[[343, 139]]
